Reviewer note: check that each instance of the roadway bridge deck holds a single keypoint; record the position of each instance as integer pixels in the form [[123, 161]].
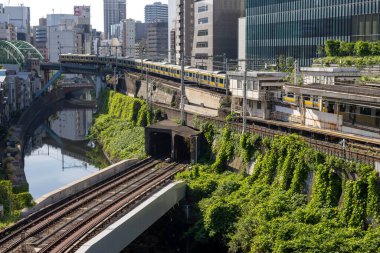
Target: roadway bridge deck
[[66, 226]]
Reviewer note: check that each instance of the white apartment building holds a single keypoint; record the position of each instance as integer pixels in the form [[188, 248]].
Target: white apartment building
[[128, 37]]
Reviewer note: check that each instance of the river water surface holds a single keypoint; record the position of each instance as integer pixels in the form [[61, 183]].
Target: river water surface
[[57, 153]]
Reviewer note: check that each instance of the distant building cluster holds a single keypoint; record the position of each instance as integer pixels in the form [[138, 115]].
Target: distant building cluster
[[206, 34]]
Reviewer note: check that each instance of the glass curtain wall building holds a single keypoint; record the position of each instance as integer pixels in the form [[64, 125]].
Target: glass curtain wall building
[[295, 28]]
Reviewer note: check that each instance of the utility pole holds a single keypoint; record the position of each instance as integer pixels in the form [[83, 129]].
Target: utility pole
[[295, 72], [226, 70], [182, 105], [182, 53], [116, 77], [245, 101], [148, 101]]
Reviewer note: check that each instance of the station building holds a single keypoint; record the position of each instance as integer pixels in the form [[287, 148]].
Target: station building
[[333, 98]]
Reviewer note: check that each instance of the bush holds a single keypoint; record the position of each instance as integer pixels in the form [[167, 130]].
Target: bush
[[375, 48], [362, 48], [346, 48], [332, 48], [274, 210]]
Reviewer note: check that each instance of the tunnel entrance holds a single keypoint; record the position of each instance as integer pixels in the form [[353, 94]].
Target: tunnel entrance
[[160, 145], [182, 149], [168, 139]]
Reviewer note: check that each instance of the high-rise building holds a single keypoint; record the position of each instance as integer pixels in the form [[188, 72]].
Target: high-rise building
[[114, 12], [40, 36], [172, 14], [141, 31], [4, 24], [296, 28], [184, 36], [68, 33], [215, 32], [19, 16], [156, 12], [128, 37], [157, 41]]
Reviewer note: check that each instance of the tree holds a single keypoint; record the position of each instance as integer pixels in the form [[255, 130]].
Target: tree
[[332, 47]]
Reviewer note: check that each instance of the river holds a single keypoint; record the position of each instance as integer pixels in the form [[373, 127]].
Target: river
[[57, 153]]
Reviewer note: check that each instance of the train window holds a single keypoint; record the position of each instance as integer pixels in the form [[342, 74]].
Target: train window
[[213, 79], [366, 111], [205, 77], [307, 98], [291, 95]]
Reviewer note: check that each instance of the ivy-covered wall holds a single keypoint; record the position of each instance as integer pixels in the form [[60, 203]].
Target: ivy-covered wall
[[119, 127], [13, 202], [296, 200]]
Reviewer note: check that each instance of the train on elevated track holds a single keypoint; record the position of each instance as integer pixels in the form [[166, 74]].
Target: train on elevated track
[[212, 79], [216, 80]]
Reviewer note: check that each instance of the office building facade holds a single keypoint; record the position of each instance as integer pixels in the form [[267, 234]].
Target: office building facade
[[184, 36], [157, 41], [114, 12], [297, 28], [156, 12], [19, 16], [215, 32]]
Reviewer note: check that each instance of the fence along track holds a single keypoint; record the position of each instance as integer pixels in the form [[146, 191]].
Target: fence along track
[[322, 146], [45, 218]]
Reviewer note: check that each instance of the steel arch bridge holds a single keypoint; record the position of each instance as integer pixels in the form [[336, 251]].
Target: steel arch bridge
[[17, 52]]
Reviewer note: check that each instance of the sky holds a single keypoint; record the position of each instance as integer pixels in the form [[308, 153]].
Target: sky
[[39, 8]]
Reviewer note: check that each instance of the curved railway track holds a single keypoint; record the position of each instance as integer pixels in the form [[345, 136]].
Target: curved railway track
[[82, 217]]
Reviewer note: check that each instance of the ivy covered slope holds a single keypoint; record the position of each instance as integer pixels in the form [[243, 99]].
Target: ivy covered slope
[[119, 127], [13, 202], [296, 200]]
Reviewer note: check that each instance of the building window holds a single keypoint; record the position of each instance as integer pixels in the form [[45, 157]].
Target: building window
[[203, 8], [201, 56], [202, 44], [239, 84], [202, 32], [202, 21], [258, 105], [250, 85]]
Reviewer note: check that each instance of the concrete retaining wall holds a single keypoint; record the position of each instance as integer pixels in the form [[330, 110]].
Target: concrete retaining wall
[[201, 111], [162, 97], [201, 97], [78, 186], [120, 234]]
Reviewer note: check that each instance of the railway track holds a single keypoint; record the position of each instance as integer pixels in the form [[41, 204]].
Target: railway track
[[66, 227], [362, 155]]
